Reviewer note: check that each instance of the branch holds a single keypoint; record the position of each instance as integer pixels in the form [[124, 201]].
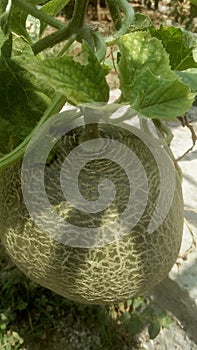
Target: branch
[[184, 122]]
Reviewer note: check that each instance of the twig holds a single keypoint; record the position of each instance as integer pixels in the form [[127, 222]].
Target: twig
[[184, 123]]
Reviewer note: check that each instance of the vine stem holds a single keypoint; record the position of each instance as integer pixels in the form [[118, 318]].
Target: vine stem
[[115, 13], [67, 45], [144, 125], [74, 26], [52, 39], [41, 15], [79, 13], [163, 130], [129, 18], [99, 45]]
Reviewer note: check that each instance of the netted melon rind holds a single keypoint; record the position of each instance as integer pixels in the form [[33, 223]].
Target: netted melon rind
[[112, 273]]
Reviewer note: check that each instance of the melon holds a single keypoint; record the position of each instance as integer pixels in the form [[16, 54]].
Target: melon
[[123, 268]]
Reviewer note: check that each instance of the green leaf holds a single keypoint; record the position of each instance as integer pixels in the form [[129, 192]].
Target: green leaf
[[153, 329], [3, 5], [194, 52], [148, 312], [15, 20], [140, 51], [141, 22], [124, 317], [52, 8], [146, 80], [164, 319], [6, 48], [133, 325], [22, 98], [189, 76], [160, 98], [179, 44], [80, 79], [194, 2], [139, 303], [5, 8]]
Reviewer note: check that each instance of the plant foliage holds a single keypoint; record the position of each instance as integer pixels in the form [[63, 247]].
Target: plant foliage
[[152, 66], [157, 73]]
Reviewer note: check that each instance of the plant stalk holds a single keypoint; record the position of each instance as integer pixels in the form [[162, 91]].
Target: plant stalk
[[67, 45], [79, 13], [74, 26], [129, 18], [115, 13], [163, 130], [42, 16]]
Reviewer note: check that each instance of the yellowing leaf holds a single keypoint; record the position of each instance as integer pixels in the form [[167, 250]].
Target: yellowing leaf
[[147, 81], [80, 83]]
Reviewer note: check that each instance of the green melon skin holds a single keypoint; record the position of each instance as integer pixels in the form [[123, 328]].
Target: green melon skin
[[112, 273]]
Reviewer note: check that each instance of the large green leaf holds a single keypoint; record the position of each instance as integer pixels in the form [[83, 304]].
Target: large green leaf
[[164, 98], [146, 80], [189, 76], [52, 7], [179, 44], [22, 99], [80, 79]]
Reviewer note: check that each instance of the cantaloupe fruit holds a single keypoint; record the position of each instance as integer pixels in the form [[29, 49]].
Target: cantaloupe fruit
[[99, 275]]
